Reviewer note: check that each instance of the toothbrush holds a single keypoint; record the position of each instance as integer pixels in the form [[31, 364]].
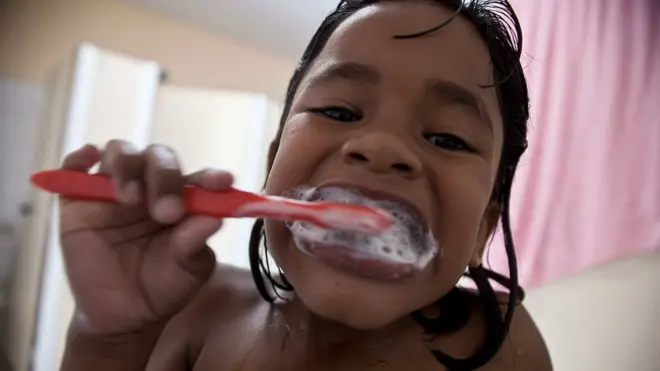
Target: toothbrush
[[230, 203]]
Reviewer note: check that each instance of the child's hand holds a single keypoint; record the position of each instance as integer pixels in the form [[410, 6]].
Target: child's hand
[[137, 263]]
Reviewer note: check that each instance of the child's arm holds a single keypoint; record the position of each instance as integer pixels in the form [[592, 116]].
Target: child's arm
[[174, 346], [85, 351]]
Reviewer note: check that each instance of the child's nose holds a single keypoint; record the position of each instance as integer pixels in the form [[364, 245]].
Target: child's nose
[[382, 153]]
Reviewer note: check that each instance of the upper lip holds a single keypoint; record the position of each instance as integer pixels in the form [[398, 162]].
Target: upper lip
[[378, 194]]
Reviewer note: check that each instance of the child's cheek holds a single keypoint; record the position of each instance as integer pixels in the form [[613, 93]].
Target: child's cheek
[[295, 157]]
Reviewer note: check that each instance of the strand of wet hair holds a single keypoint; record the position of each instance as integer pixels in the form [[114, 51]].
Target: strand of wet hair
[[456, 13]]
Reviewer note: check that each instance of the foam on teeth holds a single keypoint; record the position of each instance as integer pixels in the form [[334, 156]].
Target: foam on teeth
[[404, 243]]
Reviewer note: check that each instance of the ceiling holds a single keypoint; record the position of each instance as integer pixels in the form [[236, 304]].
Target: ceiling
[[279, 26]]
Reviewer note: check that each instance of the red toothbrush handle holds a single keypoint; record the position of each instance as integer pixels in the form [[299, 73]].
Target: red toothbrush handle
[[225, 204], [96, 187]]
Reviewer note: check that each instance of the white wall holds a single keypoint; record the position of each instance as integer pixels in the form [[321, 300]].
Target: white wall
[[605, 319], [40, 34]]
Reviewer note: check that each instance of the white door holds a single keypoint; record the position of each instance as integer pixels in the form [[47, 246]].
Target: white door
[[20, 108]]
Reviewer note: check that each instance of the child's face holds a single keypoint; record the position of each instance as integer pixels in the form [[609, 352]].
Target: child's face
[[408, 117]]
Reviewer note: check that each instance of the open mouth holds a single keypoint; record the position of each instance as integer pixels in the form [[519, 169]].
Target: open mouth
[[401, 252]]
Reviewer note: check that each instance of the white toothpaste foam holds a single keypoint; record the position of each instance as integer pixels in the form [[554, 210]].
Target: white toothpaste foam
[[406, 242]]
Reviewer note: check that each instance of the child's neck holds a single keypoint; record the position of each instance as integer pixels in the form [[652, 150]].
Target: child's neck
[[316, 338]]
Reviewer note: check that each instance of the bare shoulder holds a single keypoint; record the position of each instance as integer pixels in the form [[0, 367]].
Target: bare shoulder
[[524, 348], [229, 291]]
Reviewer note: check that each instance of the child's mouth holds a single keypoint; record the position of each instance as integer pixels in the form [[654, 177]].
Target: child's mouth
[[402, 251]]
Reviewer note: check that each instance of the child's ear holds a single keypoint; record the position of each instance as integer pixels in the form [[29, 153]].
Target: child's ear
[[488, 225]]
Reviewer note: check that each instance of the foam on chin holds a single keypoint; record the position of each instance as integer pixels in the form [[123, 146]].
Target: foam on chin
[[406, 243]]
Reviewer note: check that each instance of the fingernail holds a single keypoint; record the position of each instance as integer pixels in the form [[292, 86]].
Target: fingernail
[[168, 209]]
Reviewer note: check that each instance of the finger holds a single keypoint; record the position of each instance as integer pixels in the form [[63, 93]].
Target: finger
[[112, 151], [192, 233], [211, 179], [124, 164], [188, 243], [82, 159], [164, 184]]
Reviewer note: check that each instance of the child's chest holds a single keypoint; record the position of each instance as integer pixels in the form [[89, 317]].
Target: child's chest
[[254, 344], [272, 359]]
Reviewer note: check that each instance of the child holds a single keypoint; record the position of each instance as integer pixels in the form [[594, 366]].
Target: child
[[385, 108]]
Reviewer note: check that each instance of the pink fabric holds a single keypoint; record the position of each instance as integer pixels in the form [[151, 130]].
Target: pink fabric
[[588, 189]]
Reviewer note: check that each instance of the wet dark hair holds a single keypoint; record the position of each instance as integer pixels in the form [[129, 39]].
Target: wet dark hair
[[500, 29]]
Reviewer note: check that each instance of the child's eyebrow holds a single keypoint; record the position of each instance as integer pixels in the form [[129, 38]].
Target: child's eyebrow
[[350, 71], [446, 90], [443, 90]]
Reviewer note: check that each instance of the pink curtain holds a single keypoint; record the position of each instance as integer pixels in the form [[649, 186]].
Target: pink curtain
[[588, 190]]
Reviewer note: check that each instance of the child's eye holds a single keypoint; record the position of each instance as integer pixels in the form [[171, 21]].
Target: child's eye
[[337, 113], [449, 142]]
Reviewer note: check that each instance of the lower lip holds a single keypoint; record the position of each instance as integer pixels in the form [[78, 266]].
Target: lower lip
[[346, 260]]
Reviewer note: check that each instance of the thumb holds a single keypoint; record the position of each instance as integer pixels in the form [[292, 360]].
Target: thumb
[[188, 238], [188, 244]]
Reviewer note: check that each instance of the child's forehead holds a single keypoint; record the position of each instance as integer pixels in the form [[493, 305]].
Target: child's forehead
[[368, 37], [456, 53], [409, 17]]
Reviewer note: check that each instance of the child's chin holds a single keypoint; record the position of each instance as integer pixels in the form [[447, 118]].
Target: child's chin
[[352, 303], [338, 296]]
